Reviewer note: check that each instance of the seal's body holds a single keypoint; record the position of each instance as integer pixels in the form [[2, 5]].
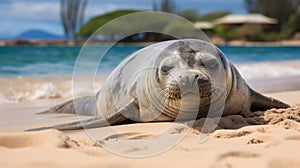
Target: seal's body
[[173, 80]]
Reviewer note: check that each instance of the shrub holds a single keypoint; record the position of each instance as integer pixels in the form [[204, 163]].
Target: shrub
[[292, 25], [249, 33]]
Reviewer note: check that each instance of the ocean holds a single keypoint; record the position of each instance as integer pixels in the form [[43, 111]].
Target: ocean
[[45, 72], [59, 60]]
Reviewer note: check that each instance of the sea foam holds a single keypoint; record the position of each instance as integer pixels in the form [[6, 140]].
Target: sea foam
[[13, 90], [5, 100], [261, 71], [18, 89], [42, 91]]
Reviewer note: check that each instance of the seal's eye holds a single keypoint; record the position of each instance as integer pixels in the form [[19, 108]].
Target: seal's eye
[[165, 69], [212, 64]]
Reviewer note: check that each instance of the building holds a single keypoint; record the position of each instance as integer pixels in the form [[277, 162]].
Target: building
[[255, 20]]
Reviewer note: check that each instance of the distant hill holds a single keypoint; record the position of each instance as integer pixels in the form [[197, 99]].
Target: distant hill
[[93, 24], [38, 34]]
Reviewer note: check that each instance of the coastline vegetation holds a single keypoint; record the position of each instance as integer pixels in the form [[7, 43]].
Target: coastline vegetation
[[94, 23], [285, 12], [288, 21]]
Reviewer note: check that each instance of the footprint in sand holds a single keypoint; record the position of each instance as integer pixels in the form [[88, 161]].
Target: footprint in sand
[[137, 143], [124, 143], [127, 136], [138, 135], [252, 136], [237, 154], [48, 138], [222, 161], [124, 136], [231, 133]]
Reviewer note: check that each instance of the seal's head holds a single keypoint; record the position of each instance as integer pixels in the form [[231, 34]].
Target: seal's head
[[190, 72]]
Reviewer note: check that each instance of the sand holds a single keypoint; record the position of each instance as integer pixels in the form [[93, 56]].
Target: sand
[[267, 139]]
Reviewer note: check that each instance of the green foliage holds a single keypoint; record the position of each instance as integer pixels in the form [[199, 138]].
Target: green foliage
[[292, 26], [221, 32], [213, 16], [147, 23], [248, 32], [279, 9], [92, 25], [271, 36], [190, 14]]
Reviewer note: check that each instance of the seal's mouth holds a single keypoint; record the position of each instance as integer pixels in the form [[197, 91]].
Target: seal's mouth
[[174, 92], [191, 97]]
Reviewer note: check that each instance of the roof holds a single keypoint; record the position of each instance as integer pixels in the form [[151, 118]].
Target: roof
[[204, 25], [247, 18]]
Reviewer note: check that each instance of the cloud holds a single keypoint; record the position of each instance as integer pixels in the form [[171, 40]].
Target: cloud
[[50, 10], [19, 16], [31, 10], [10, 28]]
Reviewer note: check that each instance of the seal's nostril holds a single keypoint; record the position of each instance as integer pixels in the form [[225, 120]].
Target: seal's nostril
[[196, 76], [202, 81]]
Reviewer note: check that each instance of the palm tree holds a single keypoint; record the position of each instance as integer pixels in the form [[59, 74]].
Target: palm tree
[[72, 14]]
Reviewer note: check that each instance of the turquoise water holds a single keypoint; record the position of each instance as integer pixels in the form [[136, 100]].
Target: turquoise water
[[60, 60]]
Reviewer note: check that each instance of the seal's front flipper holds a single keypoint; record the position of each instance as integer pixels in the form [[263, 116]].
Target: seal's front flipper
[[89, 123], [111, 118], [262, 103]]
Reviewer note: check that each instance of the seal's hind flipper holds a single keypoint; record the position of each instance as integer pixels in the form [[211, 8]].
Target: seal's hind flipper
[[112, 118], [262, 103], [84, 106]]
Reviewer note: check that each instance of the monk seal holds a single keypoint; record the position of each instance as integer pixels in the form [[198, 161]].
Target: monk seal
[[165, 80]]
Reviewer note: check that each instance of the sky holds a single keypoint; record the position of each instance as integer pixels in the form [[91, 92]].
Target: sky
[[18, 16]]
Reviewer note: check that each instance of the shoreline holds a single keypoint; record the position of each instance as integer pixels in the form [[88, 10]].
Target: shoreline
[[282, 43], [59, 88], [36, 42], [280, 76]]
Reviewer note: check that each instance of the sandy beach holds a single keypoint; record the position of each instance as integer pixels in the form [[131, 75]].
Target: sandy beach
[[266, 139], [274, 140], [227, 73]]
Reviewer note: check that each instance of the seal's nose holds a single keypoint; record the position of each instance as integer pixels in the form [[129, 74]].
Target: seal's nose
[[201, 79]]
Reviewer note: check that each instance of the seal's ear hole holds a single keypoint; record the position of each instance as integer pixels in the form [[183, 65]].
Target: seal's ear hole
[[165, 69]]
